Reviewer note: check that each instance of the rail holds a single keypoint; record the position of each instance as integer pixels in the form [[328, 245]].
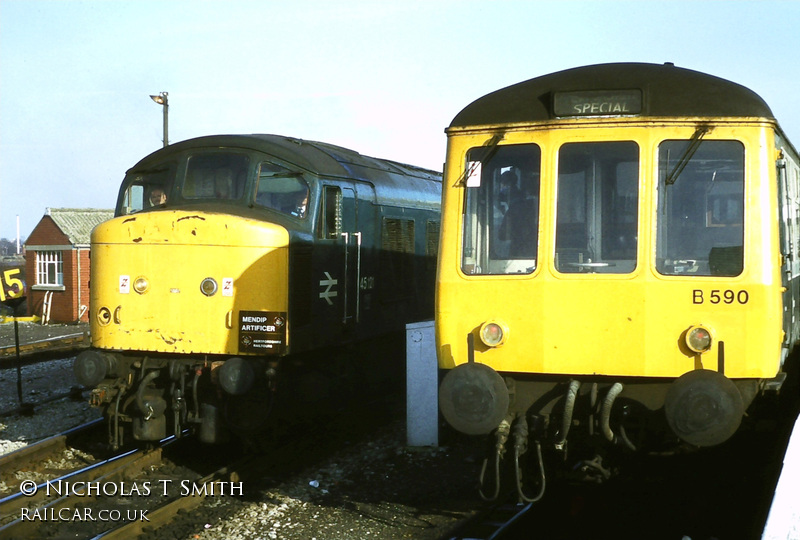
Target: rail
[[67, 341], [37, 451], [123, 465], [491, 523], [167, 511]]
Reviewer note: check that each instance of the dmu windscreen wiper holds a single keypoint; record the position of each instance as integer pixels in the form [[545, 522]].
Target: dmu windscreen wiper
[[694, 144]]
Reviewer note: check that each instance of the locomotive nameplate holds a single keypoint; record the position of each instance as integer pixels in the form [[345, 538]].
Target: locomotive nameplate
[[262, 332]]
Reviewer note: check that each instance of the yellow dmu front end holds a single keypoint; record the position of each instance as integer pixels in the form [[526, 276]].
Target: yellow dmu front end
[[618, 260]]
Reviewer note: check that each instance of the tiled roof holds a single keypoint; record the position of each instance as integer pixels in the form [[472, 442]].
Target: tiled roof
[[77, 223]]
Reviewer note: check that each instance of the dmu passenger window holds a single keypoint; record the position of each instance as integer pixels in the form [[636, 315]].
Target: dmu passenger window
[[501, 210], [598, 202], [700, 208]]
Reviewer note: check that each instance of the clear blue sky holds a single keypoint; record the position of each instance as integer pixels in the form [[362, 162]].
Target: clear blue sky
[[381, 77]]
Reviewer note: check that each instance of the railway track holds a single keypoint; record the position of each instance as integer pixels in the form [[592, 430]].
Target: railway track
[[226, 479], [56, 344], [120, 497], [278, 488], [490, 523], [75, 393], [49, 447], [133, 493], [36, 501]]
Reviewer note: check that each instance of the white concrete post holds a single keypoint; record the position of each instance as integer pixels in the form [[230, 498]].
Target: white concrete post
[[422, 385]]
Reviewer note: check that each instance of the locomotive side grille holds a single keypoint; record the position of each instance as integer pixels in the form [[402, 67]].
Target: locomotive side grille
[[397, 258], [432, 239], [398, 235]]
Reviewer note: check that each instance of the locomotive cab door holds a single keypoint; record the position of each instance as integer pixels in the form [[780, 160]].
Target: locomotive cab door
[[337, 262], [351, 239]]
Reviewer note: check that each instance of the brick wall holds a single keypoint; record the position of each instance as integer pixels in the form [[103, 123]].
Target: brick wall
[[65, 305], [47, 233], [83, 298]]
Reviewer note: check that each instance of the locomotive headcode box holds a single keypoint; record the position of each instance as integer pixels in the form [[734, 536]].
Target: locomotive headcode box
[[262, 332]]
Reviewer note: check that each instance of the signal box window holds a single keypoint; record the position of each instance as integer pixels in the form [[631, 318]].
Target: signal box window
[[215, 176], [700, 208], [501, 210], [49, 268], [282, 190], [597, 207]]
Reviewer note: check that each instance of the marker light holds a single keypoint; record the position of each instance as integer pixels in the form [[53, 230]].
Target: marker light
[[208, 286], [698, 339], [492, 334], [103, 316], [140, 285]]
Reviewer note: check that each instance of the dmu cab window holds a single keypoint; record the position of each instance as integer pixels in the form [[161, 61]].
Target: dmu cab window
[[700, 208], [215, 176], [282, 190], [597, 207], [501, 210]]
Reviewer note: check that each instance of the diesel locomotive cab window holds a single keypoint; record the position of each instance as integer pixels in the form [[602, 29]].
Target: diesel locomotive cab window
[[501, 210], [215, 176], [597, 207], [330, 226], [146, 189], [700, 208], [282, 190]]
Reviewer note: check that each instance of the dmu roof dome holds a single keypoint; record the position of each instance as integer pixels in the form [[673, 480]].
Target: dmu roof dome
[[666, 90]]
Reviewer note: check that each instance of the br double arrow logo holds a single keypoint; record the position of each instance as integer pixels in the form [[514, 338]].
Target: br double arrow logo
[[329, 283]]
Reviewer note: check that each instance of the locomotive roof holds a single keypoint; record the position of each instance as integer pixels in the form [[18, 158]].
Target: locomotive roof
[[395, 183], [666, 90]]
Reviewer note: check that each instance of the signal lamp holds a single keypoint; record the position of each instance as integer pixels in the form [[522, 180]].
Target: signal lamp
[[698, 339], [208, 286], [492, 334], [140, 285]]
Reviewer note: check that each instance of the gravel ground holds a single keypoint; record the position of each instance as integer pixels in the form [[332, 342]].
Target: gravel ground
[[49, 418], [38, 385], [376, 488]]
